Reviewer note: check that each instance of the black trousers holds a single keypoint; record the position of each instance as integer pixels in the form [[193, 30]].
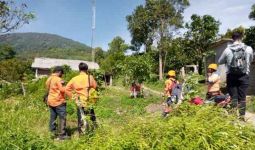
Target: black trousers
[[59, 111], [87, 111], [237, 86]]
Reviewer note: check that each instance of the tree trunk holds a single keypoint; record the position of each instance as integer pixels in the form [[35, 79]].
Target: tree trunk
[[205, 65], [105, 81], [160, 66], [164, 64], [200, 67], [23, 89], [111, 80]]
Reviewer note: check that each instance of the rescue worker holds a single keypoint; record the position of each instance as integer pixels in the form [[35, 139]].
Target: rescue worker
[[170, 84], [81, 85], [56, 102], [135, 90], [213, 81]]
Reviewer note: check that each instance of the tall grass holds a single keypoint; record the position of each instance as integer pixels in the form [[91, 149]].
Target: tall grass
[[123, 124]]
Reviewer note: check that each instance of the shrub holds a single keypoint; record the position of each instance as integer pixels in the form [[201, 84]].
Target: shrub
[[9, 89]]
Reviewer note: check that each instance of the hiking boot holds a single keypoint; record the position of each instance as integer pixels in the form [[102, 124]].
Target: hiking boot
[[242, 118]]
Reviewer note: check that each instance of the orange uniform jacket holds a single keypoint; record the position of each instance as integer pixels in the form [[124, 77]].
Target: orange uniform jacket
[[80, 85], [169, 85], [56, 95]]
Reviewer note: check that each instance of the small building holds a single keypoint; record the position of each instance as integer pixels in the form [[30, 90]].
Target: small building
[[219, 47], [187, 69], [42, 65]]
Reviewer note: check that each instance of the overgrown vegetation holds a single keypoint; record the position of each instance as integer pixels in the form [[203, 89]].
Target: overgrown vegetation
[[124, 124], [30, 45]]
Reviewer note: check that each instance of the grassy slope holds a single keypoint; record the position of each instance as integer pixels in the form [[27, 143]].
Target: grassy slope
[[30, 45], [124, 124]]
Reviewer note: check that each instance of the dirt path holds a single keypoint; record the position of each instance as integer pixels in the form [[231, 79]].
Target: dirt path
[[250, 117], [156, 107], [152, 91]]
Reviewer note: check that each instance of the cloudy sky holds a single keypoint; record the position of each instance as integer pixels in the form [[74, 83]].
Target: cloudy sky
[[72, 18]]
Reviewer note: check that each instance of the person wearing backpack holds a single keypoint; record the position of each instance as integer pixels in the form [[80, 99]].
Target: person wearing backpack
[[213, 81], [81, 85], [56, 102], [237, 57], [170, 91]]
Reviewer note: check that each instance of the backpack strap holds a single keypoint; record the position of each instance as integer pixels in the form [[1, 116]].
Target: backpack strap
[[88, 84], [173, 83]]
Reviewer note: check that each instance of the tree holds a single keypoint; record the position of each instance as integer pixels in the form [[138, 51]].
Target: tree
[[99, 55], [249, 38], [14, 70], [202, 32], [115, 56], [156, 21], [6, 52], [176, 55], [13, 16], [138, 67], [229, 32], [138, 26], [252, 13]]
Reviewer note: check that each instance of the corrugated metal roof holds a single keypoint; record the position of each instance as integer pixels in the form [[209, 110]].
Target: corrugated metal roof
[[47, 63], [221, 41]]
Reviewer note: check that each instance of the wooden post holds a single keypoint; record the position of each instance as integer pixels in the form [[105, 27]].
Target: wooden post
[[36, 73], [111, 80], [23, 89], [105, 81]]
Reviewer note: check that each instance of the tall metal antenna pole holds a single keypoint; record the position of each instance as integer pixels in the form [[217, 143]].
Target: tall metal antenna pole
[[93, 27]]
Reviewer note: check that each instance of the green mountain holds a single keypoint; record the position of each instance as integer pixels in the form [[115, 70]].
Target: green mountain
[[30, 45]]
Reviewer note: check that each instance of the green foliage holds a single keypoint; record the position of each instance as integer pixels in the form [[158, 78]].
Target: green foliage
[[156, 85], [176, 55], [9, 89], [249, 38], [56, 53], [30, 45], [138, 67], [6, 52], [124, 124], [20, 124], [202, 32], [114, 56], [99, 77], [15, 70], [252, 13], [157, 21], [153, 18], [138, 27], [99, 55], [13, 16], [192, 87], [229, 32]]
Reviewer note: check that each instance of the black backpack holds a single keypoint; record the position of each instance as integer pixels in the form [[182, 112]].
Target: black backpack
[[238, 65]]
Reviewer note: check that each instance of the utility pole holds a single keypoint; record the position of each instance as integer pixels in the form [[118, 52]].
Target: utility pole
[[93, 27]]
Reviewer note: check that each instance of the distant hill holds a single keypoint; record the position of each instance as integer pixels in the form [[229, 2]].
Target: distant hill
[[30, 45]]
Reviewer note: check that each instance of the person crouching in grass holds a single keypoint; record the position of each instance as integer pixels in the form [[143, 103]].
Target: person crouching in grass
[[213, 81]]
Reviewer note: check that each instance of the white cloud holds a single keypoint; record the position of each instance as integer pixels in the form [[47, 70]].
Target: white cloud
[[235, 9], [231, 13]]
